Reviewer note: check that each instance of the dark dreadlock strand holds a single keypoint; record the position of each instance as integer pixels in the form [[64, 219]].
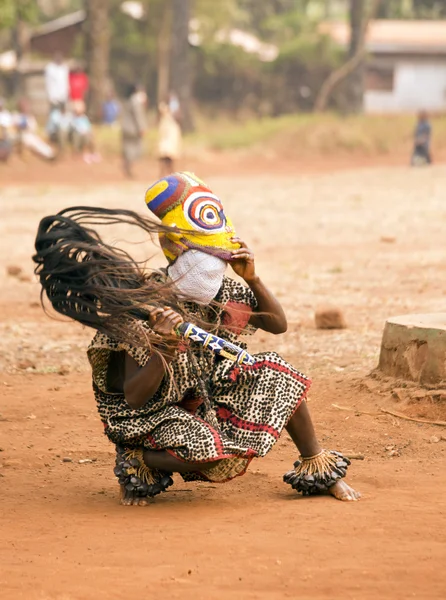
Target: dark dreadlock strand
[[94, 283]]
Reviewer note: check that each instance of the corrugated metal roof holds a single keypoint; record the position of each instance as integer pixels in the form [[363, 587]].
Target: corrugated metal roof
[[57, 24], [387, 36]]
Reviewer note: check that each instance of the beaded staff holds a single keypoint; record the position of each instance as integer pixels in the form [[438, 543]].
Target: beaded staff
[[216, 344]]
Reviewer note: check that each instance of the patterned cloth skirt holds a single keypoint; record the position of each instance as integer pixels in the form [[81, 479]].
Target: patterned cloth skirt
[[252, 405]]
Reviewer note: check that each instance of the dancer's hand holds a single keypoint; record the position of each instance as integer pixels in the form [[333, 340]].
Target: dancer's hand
[[242, 261], [164, 320]]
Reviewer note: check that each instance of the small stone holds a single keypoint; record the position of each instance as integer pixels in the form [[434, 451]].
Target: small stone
[[83, 461], [434, 439], [26, 364], [13, 270], [34, 304], [67, 459], [329, 318], [32, 417], [24, 278], [388, 448], [63, 371], [388, 239]]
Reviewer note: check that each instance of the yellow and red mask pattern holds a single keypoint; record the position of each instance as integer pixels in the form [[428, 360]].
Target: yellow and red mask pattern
[[185, 203]]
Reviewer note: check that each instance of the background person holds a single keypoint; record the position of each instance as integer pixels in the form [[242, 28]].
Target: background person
[[82, 134], [110, 110], [26, 132], [422, 141], [78, 84], [169, 140], [133, 127], [59, 127], [6, 126], [57, 82]]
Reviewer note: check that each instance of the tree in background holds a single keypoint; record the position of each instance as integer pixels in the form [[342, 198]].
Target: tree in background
[[17, 16], [353, 68], [355, 80], [97, 51], [180, 60]]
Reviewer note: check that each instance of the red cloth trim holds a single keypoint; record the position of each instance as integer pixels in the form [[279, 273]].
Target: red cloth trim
[[236, 316], [225, 415], [249, 455], [274, 367]]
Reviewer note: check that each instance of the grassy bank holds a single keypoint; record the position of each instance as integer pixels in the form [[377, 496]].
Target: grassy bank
[[294, 135]]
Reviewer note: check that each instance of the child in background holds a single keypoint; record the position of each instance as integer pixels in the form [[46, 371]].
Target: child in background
[[26, 135], [78, 83], [422, 139], [110, 110], [5, 132], [82, 134], [169, 140], [58, 127]]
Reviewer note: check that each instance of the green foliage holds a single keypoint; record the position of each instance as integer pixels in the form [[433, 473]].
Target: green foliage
[[312, 50], [13, 10], [213, 16]]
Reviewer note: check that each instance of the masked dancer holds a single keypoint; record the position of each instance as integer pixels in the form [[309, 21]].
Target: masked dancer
[[170, 404]]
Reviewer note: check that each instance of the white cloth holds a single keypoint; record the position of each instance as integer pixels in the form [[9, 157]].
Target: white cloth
[[57, 82], [169, 138], [5, 119], [197, 276]]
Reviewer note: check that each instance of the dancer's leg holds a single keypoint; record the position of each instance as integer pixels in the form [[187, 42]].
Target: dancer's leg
[[301, 430]]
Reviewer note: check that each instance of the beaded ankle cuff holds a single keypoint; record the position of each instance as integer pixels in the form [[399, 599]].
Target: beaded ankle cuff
[[136, 476], [316, 474]]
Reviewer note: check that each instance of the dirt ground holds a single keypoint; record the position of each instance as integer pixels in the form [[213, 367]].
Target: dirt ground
[[369, 241]]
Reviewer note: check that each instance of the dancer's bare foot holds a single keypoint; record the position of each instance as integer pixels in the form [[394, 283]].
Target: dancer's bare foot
[[342, 491], [131, 499]]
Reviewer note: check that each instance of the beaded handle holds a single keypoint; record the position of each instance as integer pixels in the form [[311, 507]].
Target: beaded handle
[[216, 344]]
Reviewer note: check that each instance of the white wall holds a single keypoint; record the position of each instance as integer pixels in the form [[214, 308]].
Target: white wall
[[417, 86]]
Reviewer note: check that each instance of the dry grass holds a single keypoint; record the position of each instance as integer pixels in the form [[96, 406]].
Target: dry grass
[[293, 135]]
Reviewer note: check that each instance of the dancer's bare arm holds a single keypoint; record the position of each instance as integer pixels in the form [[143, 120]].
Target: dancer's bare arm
[[141, 383], [269, 315]]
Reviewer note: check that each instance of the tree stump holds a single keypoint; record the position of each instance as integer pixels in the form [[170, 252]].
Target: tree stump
[[414, 348]]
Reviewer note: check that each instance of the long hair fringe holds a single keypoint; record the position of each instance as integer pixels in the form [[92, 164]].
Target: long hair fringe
[[99, 285]]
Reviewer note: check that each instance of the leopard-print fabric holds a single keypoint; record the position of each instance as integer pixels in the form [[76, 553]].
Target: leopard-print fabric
[[252, 403]]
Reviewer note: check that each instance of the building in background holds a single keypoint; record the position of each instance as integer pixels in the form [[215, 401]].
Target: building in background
[[406, 65]]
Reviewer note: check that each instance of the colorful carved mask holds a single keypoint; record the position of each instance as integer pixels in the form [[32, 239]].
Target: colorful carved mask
[[184, 202]]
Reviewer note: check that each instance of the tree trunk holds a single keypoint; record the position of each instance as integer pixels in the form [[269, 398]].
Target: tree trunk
[[97, 49], [327, 9], [20, 44], [355, 80], [164, 49], [357, 53], [180, 68], [414, 348]]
